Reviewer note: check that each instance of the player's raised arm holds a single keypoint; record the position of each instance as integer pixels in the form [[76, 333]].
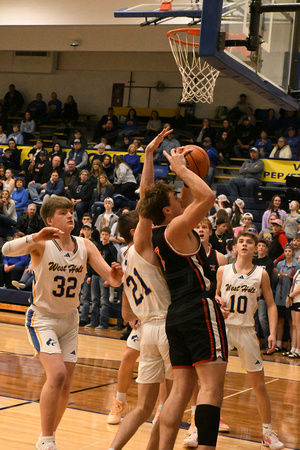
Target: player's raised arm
[[204, 197], [272, 309], [148, 169], [32, 243], [143, 232], [112, 274]]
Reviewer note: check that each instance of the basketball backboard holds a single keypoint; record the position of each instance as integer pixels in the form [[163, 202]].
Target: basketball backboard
[[266, 71]]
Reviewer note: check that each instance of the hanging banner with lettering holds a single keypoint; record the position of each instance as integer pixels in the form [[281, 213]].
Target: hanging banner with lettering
[[276, 170]]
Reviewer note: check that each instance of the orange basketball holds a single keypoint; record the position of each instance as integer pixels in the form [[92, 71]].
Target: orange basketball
[[197, 160]]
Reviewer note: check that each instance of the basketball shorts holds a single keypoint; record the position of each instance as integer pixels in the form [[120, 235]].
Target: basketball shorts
[[154, 363], [295, 307], [284, 312], [201, 339], [51, 334], [133, 340], [247, 344]]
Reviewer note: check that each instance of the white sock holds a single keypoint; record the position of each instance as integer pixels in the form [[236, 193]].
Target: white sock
[[278, 344], [121, 396], [41, 435], [293, 349], [48, 439], [267, 428], [297, 351], [193, 409]]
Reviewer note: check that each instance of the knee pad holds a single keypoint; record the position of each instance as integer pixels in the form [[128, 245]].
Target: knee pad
[[207, 418]]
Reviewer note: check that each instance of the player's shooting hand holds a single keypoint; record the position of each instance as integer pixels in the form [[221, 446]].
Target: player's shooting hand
[[271, 343], [47, 234], [177, 157], [155, 143]]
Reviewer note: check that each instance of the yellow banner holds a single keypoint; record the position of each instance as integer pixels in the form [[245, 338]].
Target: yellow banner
[[276, 170]]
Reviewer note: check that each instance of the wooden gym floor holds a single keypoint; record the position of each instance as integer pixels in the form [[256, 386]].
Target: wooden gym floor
[[94, 384]]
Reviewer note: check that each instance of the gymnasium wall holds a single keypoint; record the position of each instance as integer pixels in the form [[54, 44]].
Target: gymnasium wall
[[89, 76], [109, 51]]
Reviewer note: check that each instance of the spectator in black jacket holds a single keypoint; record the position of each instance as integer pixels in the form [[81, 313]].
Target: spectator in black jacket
[[71, 175], [13, 101], [41, 175], [81, 194], [101, 129], [245, 134], [30, 222], [11, 156]]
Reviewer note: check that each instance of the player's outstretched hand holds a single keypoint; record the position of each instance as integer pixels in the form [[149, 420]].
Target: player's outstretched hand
[[116, 273], [155, 143], [177, 157], [47, 234], [271, 343]]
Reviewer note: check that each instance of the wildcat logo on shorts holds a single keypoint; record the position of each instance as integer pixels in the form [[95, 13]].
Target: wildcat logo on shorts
[[135, 338], [73, 352], [51, 342]]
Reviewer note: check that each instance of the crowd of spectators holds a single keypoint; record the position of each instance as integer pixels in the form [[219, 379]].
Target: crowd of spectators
[[100, 188]]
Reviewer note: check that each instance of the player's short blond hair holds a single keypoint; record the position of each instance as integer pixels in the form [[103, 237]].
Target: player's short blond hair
[[52, 204]]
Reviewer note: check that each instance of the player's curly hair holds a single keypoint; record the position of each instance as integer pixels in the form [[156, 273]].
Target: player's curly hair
[[156, 198], [52, 204]]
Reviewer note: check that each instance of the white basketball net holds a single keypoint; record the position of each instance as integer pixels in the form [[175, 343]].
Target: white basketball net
[[198, 77]]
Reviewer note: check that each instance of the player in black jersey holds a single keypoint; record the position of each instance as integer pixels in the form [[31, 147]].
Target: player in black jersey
[[195, 325], [215, 258]]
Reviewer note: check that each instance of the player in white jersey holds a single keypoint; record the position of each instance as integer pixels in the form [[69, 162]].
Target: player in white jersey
[[293, 302], [59, 261], [238, 290], [146, 297]]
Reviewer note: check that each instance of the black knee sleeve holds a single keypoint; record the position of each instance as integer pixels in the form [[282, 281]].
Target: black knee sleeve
[[207, 418]]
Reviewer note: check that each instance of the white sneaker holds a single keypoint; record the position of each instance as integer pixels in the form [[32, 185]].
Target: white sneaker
[[192, 439], [116, 412], [40, 446], [18, 285], [50, 446], [271, 440]]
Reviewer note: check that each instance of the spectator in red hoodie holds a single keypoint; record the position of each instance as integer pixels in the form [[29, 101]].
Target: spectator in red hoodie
[[279, 240]]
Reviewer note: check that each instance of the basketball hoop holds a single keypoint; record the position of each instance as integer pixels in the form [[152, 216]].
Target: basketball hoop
[[198, 77]]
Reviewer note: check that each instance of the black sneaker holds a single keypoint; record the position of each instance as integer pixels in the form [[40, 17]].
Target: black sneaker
[[278, 350], [82, 323]]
